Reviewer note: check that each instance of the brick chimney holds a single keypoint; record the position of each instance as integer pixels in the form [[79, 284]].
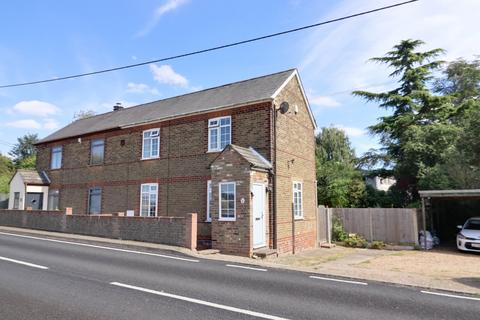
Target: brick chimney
[[117, 106]]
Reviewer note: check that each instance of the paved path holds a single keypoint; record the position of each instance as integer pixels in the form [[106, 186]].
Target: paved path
[[44, 278]]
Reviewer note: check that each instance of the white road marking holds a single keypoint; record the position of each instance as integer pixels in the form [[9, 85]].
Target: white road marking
[[24, 263], [450, 295], [340, 280], [102, 247], [201, 302], [245, 267]]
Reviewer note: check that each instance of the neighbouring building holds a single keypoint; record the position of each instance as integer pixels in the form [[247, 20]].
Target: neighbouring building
[[380, 183], [241, 156], [29, 190]]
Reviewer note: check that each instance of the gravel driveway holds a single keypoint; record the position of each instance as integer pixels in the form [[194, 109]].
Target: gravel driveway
[[444, 269]]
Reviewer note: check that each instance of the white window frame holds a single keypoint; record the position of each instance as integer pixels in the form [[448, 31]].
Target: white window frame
[[90, 191], [220, 218], [297, 211], [53, 194], [56, 150], [209, 200], [155, 136], [149, 193], [95, 143], [215, 125]]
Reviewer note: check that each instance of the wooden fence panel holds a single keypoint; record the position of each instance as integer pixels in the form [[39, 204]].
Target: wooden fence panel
[[391, 225]]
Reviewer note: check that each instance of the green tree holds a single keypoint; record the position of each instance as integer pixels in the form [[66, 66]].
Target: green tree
[[6, 171], [419, 132], [339, 183], [461, 80], [83, 114], [27, 163], [24, 148], [461, 166]]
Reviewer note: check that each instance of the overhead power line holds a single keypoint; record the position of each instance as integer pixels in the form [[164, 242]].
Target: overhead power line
[[183, 55]]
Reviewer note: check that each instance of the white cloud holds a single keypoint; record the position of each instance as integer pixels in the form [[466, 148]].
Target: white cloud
[[351, 131], [160, 11], [51, 124], [25, 124], [166, 74], [341, 50], [141, 88], [323, 101], [48, 124], [35, 108]]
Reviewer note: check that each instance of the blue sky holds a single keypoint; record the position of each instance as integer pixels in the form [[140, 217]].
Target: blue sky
[[43, 39]]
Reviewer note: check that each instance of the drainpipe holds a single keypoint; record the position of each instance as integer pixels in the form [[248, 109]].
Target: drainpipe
[[168, 169], [274, 174], [24, 198], [293, 229]]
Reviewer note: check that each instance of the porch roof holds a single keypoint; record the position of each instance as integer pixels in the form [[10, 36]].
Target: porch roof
[[255, 159], [33, 177]]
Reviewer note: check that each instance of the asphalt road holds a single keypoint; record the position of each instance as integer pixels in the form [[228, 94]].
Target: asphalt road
[[43, 278]]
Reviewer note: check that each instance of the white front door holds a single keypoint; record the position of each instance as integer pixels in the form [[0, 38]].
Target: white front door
[[258, 199]]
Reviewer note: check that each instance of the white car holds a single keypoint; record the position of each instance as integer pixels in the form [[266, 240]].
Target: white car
[[468, 239]]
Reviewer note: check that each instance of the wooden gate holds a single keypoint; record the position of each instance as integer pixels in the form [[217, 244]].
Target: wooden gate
[[324, 225]]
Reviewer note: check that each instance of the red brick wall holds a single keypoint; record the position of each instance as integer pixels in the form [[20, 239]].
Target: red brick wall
[[295, 161], [181, 171], [178, 231], [232, 237]]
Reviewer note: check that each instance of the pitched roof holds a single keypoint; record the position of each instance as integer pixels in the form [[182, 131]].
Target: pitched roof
[[33, 177], [238, 93], [252, 156]]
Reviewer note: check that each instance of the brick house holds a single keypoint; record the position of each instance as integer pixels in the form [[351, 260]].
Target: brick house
[[241, 155]]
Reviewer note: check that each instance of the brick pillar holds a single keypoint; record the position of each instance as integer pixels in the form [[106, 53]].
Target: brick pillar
[[191, 231]]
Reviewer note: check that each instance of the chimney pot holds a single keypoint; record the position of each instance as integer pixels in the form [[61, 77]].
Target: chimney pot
[[117, 106]]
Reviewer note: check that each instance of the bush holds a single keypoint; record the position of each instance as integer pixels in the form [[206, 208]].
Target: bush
[[338, 232], [377, 244], [355, 241]]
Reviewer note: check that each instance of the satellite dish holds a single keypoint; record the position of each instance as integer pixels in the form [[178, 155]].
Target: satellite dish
[[284, 106]]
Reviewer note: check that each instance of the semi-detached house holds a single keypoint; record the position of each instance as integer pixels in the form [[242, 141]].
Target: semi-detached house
[[241, 156]]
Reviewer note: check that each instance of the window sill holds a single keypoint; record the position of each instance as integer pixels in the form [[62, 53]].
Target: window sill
[[299, 218], [214, 151], [227, 219], [151, 158]]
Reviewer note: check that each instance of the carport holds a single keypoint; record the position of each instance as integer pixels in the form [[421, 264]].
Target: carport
[[452, 218]]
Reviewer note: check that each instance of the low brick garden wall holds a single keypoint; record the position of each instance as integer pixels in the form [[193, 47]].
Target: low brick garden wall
[[176, 231]]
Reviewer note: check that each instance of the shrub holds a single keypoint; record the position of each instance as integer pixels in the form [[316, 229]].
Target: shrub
[[338, 232], [377, 244], [356, 241]]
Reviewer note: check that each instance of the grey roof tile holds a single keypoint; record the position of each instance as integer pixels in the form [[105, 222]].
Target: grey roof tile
[[237, 93], [252, 156], [33, 177]]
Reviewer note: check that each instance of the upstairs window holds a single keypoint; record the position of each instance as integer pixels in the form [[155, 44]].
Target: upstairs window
[[56, 158], [151, 144], [227, 201], [95, 201], [97, 150], [148, 199], [297, 200], [219, 133]]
